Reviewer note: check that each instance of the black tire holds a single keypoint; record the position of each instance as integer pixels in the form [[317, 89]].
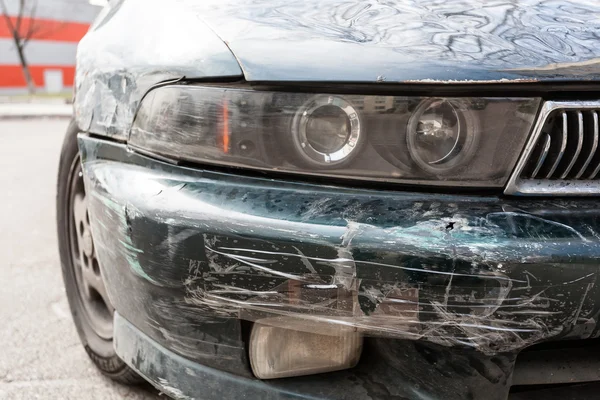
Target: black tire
[[99, 349]]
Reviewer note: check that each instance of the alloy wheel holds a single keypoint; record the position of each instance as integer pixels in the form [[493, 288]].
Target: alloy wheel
[[92, 291]]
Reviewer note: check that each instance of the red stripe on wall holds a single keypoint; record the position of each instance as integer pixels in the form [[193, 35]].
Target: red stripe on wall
[[46, 29], [12, 75]]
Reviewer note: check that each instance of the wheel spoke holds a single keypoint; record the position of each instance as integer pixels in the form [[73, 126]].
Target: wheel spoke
[[95, 281], [79, 212], [81, 282]]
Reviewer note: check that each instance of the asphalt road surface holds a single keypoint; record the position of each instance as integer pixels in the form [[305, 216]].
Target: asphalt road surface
[[40, 353]]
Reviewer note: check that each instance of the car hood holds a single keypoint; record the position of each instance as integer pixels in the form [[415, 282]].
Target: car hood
[[418, 41]]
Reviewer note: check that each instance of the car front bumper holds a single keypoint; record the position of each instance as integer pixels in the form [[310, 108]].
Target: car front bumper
[[447, 289]]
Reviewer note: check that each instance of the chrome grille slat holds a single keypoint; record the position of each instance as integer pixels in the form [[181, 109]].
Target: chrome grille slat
[[543, 156], [563, 145], [592, 151], [597, 169], [562, 156], [579, 145]]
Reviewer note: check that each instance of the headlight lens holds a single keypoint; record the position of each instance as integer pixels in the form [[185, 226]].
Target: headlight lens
[[433, 141], [442, 135], [327, 130]]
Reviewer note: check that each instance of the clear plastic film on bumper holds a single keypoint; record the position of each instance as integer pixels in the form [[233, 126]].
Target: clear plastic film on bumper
[[469, 272]]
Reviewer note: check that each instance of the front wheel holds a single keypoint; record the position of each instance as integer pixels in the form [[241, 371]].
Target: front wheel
[[90, 306]]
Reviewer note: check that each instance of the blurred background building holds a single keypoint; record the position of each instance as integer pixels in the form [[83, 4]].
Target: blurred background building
[[49, 31]]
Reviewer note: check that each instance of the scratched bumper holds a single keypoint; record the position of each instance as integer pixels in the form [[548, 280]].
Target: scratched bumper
[[187, 254]]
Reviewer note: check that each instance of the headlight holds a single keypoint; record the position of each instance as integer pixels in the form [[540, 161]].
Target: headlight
[[433, 141], [442, 135], [327, 131]]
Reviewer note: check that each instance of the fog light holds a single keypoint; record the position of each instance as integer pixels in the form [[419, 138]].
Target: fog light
[[277, 352]]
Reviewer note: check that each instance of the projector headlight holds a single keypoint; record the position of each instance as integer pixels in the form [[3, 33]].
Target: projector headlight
[[442, 135], [432, 141], [327, 131]]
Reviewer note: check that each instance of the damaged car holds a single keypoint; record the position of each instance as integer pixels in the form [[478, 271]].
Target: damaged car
[[337, 200]]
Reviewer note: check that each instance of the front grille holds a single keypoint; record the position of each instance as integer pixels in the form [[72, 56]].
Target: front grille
[[566, 147], [563, 154]]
